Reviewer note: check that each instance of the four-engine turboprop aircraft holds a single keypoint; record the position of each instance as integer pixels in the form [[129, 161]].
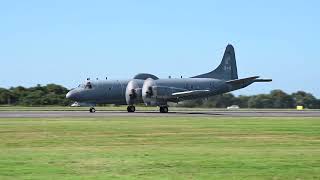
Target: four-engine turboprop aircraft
[[152, 91]]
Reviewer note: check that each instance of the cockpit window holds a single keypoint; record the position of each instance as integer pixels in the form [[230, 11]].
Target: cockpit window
[[88, 85]]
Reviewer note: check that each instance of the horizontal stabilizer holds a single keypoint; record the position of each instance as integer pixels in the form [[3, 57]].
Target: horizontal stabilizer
[[241, 81], [190, 93], [262, 80]]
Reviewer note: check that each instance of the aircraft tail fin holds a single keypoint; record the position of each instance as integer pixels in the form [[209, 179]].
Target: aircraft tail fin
[[227, 70]]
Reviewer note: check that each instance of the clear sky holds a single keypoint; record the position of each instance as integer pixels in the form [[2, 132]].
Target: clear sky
[[64, 42]]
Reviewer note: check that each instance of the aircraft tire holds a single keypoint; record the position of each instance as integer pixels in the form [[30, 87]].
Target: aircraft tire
[[131, 108], [92, 110], [164, 109]]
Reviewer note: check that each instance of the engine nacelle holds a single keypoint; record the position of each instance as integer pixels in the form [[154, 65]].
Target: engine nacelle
[[154, 95], [147, 92], [133, 92]]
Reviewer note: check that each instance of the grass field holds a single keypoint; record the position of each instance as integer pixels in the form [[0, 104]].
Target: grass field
[[160, 148]]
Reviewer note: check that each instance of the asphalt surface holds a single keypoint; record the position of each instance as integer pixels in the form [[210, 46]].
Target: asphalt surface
[[216, 113]]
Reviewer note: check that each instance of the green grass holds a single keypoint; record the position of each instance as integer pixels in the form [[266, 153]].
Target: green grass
[[160, 148]]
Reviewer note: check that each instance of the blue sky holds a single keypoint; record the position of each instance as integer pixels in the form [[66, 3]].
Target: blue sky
[[64, 42]]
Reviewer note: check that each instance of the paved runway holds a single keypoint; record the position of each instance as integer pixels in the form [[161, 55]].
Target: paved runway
[[215, 113]]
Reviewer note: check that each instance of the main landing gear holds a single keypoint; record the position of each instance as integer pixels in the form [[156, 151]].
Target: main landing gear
[[92, 110], [131, 109], [164, 109]]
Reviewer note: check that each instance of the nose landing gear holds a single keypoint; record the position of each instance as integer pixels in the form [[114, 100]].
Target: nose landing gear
[[92, 110], [131, 109]]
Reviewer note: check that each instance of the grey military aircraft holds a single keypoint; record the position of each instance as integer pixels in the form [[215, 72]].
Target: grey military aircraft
[[150, 90]]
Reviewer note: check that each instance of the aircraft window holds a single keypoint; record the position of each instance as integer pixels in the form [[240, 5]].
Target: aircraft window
[[88, 85]]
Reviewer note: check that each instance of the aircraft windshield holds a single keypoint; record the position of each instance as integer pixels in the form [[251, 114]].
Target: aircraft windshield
[[88, 85]]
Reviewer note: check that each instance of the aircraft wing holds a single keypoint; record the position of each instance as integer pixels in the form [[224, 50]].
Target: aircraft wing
[[189, 93]]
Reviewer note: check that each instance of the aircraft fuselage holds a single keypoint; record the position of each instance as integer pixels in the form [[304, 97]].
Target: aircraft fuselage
[[113, 91]]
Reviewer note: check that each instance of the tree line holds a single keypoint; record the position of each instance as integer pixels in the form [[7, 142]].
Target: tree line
[[275, 99], [53, 94], [50, 94]]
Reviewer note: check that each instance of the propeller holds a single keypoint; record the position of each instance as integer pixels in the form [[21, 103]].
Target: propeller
[[149, 92], [133, 94]]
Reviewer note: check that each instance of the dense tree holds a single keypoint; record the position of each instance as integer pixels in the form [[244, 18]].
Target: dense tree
[[6, 96], [307, 100], [260, 101], [281, 99], [220, 101], [50, 94], [276, 99], [242, 101], [191, 103], [317, 104]]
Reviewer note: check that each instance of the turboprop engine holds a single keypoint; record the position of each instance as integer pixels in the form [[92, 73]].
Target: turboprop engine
[[154, 95], [133, 92], [147, 91]]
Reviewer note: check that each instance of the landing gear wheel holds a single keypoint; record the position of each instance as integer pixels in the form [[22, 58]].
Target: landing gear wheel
[[164, 109], [92, 110], [131, 109]]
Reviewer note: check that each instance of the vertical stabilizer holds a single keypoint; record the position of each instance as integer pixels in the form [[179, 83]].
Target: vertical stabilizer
[[227, 70]]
